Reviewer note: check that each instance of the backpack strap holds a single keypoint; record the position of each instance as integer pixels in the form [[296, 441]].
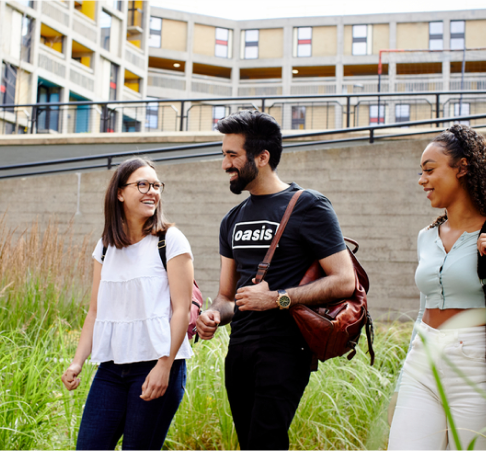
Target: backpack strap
[[162, 247], [103, 253]]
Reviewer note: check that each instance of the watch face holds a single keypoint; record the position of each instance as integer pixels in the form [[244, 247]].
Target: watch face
[[284, 301]]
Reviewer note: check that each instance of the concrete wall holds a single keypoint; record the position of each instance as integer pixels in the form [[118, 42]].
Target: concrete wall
[[204, 39], [324, 41], [413, 35], [381, 37], [475, 33], [270, 43], [373, 189], [174, 35]]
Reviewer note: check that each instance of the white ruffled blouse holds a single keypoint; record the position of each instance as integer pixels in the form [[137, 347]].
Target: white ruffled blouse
[[134, 310]]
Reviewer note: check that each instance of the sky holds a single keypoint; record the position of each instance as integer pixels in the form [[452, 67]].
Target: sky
[[270, 9]]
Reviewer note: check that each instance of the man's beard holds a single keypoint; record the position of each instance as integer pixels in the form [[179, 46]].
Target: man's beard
[[245, 176]]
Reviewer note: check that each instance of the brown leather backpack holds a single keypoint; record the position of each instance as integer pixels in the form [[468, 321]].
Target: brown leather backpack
[[333, 328]]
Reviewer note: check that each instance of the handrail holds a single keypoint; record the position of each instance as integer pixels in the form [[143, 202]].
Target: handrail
[[110, 163], [244, 98]]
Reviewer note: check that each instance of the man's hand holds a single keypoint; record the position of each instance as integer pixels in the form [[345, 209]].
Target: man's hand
[[256, 298], [207, 324]]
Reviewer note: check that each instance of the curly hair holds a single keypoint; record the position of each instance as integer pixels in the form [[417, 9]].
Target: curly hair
[[461, 141]]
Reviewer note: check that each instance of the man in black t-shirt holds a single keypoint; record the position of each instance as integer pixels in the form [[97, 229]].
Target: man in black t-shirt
[[268, 363]]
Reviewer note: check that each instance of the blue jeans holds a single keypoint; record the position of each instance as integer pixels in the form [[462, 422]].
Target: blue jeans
[[114, 407]]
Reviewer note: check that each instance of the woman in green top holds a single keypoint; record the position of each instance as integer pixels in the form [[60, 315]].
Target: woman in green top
[[452, 316]]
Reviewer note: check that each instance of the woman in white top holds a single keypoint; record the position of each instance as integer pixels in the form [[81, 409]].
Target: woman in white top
[[136, 328], [452, 316]]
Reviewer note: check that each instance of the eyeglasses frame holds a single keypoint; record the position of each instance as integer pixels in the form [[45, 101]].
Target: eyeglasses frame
[[151, 185]]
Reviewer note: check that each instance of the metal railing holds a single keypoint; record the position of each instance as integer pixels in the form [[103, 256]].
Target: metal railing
[[300, 112], [72, 164]]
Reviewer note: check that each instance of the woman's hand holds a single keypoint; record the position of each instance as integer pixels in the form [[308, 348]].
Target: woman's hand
[[482, 244], [157, 381], [70, 377]]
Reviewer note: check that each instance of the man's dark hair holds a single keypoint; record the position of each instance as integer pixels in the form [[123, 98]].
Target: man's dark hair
[[261, 132]]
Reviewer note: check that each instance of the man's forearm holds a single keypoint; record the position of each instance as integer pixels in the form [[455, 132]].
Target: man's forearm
[[225, 307], [326, 289]]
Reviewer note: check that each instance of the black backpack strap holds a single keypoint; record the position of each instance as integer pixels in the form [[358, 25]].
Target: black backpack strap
[[162, 249], [103, 253]]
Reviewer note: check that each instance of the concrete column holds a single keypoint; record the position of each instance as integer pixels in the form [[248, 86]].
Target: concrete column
[[392, 65], [339, 58], [446, 61], [287, 76], [235, 70], [190, 46], [67, 114], [287, 60]]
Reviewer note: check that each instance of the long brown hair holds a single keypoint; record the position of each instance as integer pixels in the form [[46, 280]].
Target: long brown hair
[[114, 233], [461, 141]]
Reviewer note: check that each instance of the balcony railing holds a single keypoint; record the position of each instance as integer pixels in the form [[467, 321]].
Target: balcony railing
[[297, 112]]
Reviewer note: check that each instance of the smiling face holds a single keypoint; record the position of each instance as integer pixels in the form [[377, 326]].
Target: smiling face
[[241, 169], [135, 204], [440, 181]]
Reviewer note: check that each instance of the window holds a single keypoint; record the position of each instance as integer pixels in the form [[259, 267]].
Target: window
[[222, 39], [117, 4], [28, 3], [113, 81], [298, 117], [362, 39], [47, 116], [304, 42], [135, 14], [27, 30], [436, 32], [130, 124], [105, 26], [251, 44], [374, 114], [132, 81], [457, 34], [465, 111], [152, 115], [155, 37], [51, 38], [80, 115], [7, 88], [402, 112], [218, 113], [83, 55]]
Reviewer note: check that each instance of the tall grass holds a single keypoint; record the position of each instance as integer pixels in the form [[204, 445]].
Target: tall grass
[[343, 407], [43, 277], [45, 282]]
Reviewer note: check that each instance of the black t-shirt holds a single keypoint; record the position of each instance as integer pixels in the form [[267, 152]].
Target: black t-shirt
[[246, 232]]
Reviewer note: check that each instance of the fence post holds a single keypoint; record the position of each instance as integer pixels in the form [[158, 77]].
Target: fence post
[[181, 126], [109, 163], [437, 109], [372, 137], [263, 105], [33, 120], [105, 118], [348, 111]]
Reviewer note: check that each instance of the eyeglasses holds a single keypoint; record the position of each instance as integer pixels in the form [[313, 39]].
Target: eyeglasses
[[144, 186]]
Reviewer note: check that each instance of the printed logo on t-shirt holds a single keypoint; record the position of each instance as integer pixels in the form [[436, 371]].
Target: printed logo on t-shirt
[[255, 234]]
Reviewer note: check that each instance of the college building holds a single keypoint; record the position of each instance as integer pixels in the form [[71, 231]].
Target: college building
[[66, 51]]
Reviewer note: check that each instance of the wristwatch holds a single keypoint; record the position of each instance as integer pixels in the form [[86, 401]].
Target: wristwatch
[[283, 300]]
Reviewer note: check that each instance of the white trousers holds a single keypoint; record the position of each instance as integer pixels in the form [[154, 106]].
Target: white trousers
[[420, 421]]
